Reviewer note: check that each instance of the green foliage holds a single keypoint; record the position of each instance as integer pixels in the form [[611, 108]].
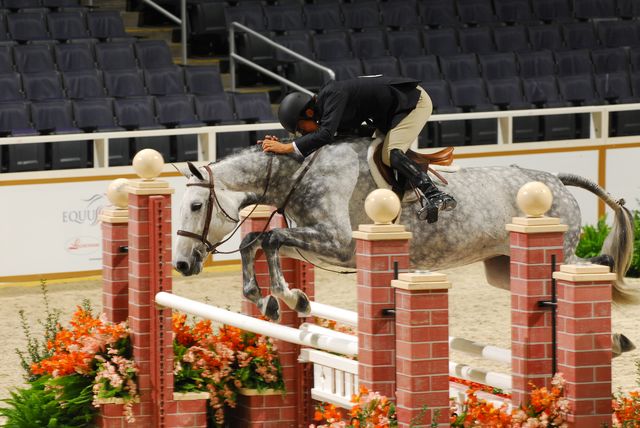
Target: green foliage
[[51, 403], [37, 348], [188, 378], [592, 239]]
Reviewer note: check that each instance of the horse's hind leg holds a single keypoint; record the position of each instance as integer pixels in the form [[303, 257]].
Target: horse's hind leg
[[268, 306]]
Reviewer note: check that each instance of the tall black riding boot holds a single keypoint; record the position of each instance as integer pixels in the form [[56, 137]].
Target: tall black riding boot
[[434, 200]]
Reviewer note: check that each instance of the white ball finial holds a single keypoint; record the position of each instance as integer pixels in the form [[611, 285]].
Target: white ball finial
[[534, 198], [117, 192], [148, 164], [382, 206]]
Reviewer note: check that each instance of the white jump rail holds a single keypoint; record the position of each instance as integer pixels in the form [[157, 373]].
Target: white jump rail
[[244, 322], [475, 374]]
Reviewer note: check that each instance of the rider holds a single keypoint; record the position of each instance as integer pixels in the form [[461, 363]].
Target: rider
[[396, 107]]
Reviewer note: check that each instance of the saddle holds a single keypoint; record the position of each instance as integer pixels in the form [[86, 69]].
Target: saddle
[[442, 157]]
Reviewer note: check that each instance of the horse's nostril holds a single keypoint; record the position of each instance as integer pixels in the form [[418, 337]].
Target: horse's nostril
[[182, 267]]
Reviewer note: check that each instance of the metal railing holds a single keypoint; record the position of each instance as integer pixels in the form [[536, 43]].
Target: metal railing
[[233, 57], [182, 22]]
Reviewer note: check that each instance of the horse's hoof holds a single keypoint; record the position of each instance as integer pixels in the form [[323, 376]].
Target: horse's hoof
[[302, 302], [271, 308]]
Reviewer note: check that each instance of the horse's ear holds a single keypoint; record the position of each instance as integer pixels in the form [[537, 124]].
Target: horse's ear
[[194, 170]]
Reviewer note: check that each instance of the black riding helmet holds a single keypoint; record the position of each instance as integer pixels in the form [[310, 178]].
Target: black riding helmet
[[292, 109]]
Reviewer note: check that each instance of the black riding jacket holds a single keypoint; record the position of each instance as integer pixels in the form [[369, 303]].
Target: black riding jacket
[[344, 105]]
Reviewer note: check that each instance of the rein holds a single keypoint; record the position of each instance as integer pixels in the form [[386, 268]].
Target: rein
[[212, 248]]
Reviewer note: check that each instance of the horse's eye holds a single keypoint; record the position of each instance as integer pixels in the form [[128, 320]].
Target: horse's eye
[[196, 206]]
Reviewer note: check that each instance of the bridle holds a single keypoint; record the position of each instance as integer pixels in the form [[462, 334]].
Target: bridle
[[213, 199]]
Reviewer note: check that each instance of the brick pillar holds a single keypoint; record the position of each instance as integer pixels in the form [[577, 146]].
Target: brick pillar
[[287, 410], [584, 342], [422, 348], [378, 246], [149, 273], [533, 242], [115, 263]]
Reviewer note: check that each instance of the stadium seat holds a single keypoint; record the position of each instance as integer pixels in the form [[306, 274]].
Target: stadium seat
[[580, 35], [594, 9], [153, 54], [475, 12], [124, 83], [614, 88], [438, 13], [27, 27], [83, 84], [628, 9], [459, 67], [177, 111], [61, 4], [138, 113], [42, 86], [115, 56], [247, 13], [545, 37], [476, 40], [536, 64], [33, 58], [6, 59], [634, 59], [15, 121], [442, 41], [498, 65], [308, 76], [507, 94], [253, 107], [543, 92], [387, 66], [106, 24], [203, 80], [21, 4], [74, 57], [511, 39], [298, 42], [332, 46], [406, 43], [572, 63], [284, 17], [552, 11], [10, 85], [322, 17], [358, 16], [345, 68], [471, 95], [513, 11], [369, 44], [97, 115], [56, 117], [164, 81], [400, 14], [423, 68], [611, 60], [445, 133], [580, 91], [4, 35], [615, 34], [67, 26]]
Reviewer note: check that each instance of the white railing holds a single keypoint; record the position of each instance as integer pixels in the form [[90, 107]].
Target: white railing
[[335, 378], [599, 132]]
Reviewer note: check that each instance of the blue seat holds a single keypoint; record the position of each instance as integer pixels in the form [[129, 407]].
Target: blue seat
[[83, 84], [332, 46], [74, 56], [106, 24], [574, 62], [164, 81], [177, 111], [345, 68], [284, 17], [10, 86], [476, 40], [446, 133], [424, 68], [26, 27], [358, 16], [247, 13], [322, 17], [406, 43], [438, 13], [507, 94], [536, 64], [442, 41], [203, 80], [42, 86], [33, 58], [253, 107], [115, 56], [124, 83], [543, 93], [459, 67], [594, 9], [297, 42], [369, 44], [615, 34], [545, 37], [67, 26], [475, 12], [513, 11], [471, 95], [611, 60], [387, 66], [400, 14], [511, 39], [97, 115], [498, 65], [550, 11], [153, 54], [138, 113], [580, 35], [6, 59]]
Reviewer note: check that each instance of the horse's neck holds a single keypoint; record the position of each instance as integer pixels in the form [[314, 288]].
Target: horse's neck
[[249, 172]]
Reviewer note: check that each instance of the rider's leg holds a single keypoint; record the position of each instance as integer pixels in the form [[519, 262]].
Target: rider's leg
[[397, 141]]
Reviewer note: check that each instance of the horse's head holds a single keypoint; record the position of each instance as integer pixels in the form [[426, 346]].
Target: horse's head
[[208, 212]]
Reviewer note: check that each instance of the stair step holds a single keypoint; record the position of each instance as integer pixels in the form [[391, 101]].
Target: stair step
[[130, 19]]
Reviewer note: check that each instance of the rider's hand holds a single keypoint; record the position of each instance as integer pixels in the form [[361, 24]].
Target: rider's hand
[[275, 146], [268, 137]]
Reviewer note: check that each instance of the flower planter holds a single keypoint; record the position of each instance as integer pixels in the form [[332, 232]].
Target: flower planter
[[260, 408]]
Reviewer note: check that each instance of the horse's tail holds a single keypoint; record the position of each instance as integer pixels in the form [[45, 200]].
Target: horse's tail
[[619, 242]]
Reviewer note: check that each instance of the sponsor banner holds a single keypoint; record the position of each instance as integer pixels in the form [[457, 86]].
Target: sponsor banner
[[55, 228]]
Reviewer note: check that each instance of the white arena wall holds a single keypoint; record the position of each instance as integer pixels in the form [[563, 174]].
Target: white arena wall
[[49, 219]]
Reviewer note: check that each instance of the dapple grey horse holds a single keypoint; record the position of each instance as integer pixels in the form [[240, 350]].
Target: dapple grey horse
[[326, 204]]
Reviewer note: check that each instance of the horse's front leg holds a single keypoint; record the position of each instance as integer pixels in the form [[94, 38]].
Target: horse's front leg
[[269, 305], [309, 239]]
